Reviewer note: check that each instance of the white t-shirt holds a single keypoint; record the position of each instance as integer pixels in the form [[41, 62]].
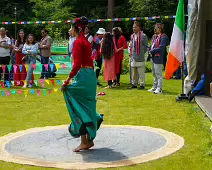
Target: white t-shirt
[[71, 44], [90, 38], [3, 51]]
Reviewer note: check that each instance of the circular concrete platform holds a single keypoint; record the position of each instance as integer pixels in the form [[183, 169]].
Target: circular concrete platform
[[114, 146]]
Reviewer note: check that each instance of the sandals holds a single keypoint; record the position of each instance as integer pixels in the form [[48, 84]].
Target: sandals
[[101, 94], [109, 87]]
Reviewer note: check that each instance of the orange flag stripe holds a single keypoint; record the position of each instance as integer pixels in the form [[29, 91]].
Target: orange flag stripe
[[171, 66]]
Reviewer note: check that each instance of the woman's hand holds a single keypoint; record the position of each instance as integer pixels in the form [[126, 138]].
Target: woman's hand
[[117, 50], [65, 84]]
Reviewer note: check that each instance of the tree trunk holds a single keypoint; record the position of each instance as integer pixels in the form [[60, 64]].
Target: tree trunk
[[110, 14]]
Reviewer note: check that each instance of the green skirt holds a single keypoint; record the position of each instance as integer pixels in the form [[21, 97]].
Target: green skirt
[[80, 98]]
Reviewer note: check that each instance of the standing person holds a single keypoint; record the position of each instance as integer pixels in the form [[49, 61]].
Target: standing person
[[107, 51], [88, 35], [120, 45], [11, 71], [80, 96], [70, 44], [5, 46], [158, 51], [19, 76], [138, 48], [30, 49], [45, 53], [96, 51], [12, 41], [129, 52]]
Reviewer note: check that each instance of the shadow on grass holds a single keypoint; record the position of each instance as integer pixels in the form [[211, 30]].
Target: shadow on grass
[[165, 92], [123, 86]]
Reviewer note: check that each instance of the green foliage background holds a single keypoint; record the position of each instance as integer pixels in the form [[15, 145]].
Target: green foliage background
[[48, 10]]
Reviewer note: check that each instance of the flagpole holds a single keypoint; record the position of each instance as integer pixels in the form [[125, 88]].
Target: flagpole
[[182, 96], [182, 77]]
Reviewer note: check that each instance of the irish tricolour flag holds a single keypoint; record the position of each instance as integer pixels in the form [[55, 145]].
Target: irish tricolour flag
[[176, 53]]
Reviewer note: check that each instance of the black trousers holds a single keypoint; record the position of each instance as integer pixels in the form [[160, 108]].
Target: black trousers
[[99, 65], [118, 76], [110, 83], [4, 61]]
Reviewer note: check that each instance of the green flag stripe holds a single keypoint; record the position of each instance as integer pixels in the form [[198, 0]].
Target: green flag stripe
[[180, 16]]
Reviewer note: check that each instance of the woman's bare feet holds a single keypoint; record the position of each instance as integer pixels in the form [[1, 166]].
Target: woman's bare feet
[[84, 146]]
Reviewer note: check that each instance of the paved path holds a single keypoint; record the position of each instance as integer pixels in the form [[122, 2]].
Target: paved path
[[115, 146], [205, 103]]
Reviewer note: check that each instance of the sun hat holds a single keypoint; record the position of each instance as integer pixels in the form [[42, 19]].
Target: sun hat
[[101, 31]]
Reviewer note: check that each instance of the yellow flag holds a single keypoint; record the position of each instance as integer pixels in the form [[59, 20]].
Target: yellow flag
[[57, 66], [56, 90], [27, 67], [47, 81], [26, 92]]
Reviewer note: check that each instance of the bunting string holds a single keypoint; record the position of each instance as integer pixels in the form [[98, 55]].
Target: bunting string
[[36, 67], [38, 92], [37, 83], [91, 20], [53, 67]]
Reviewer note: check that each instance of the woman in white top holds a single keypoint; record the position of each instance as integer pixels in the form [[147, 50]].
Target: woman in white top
[[30, 49]]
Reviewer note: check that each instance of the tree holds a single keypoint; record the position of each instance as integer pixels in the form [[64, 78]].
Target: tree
[[53, 10], [110, 13], [145, 8]]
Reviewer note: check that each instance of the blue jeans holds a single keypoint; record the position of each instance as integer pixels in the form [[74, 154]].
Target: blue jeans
[[45, 73], [179, 72], [30, 60]]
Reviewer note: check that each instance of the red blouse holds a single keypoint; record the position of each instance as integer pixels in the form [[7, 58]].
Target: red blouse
[[82, 51], [121, 43]]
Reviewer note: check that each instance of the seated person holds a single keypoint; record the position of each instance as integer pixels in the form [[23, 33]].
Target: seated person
[[198, 90]]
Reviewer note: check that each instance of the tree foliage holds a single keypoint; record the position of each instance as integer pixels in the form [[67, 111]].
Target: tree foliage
[[48, 10]]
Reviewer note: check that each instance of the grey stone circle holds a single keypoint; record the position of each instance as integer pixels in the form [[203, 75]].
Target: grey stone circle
[[111, 144]]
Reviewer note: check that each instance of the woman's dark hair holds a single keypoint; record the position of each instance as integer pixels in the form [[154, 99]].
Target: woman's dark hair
[[27, 41], [117, 35], [19, 42], [108, 46], [45, 30], [80, 24], [8, 34]]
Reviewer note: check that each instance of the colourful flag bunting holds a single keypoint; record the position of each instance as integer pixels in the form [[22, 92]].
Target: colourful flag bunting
[[34, 66], [20, 92], [20, 67], [27, 67], [44, 92], [46, 67], [2, 93], [7, 93], [38, 92]]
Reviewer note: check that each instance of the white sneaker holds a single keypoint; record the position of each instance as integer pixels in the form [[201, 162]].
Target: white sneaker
[[151, 90], [30, 86], [25, 86], [158, 91]]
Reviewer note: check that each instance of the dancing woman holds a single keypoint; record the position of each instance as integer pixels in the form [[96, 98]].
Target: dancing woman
[[80, 96]]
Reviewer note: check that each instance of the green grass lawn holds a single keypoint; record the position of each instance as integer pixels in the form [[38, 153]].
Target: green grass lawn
[[121, 107]]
